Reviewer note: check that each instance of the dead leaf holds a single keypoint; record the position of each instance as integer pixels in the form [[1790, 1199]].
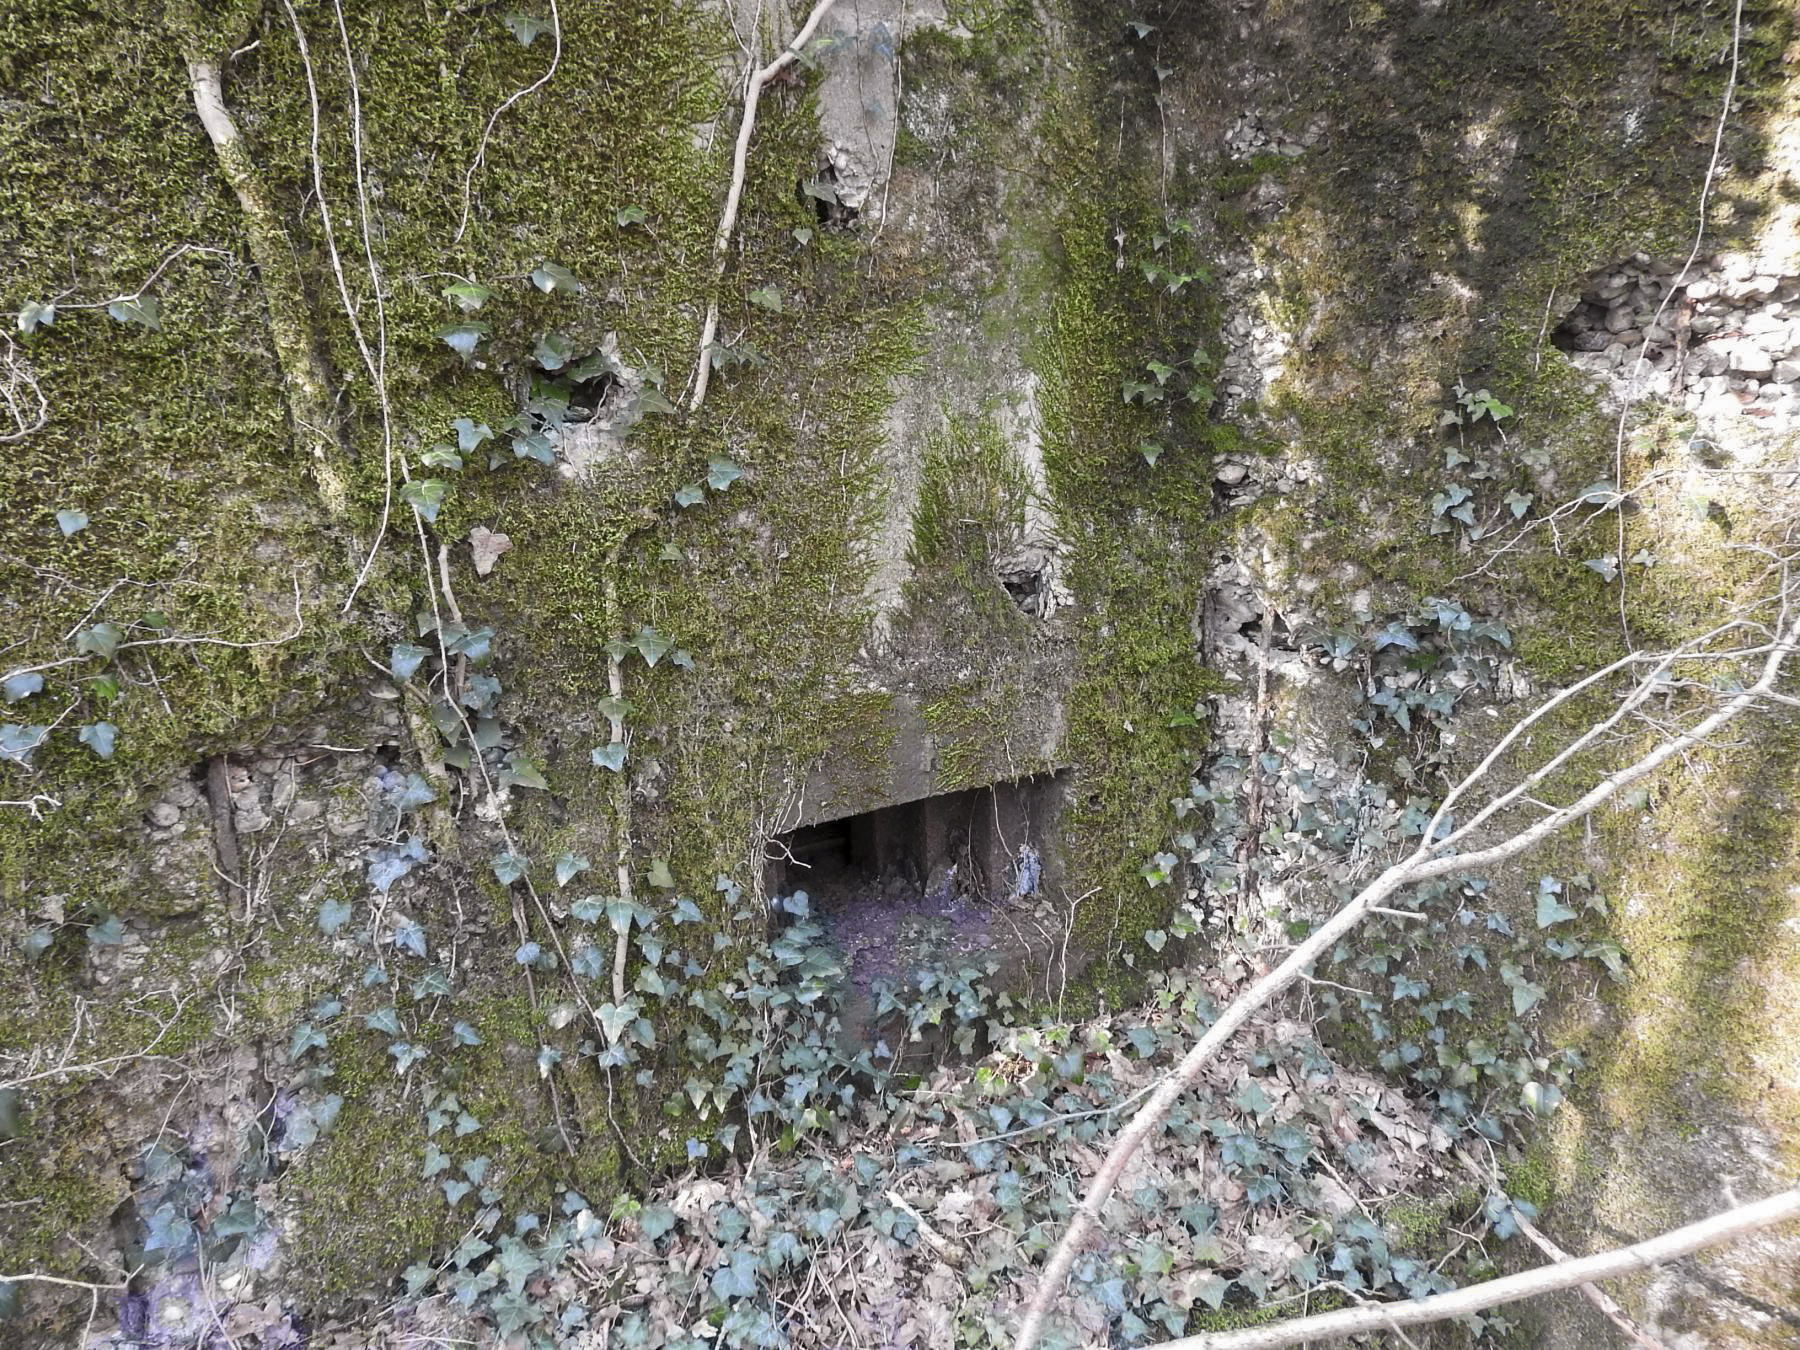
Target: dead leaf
[[487, 546]]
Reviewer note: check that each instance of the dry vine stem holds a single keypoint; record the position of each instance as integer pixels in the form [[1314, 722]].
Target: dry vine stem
[[1491, 1293], [753, 88], [1425, 863]]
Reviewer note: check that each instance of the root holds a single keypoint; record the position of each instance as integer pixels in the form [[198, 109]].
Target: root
[[303, 374]]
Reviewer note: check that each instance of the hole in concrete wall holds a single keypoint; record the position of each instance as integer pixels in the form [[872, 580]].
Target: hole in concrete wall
[[821, 191], [926, 884]]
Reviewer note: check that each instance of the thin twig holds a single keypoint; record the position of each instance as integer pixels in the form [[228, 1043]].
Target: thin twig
[[462, 224], [753, 87]]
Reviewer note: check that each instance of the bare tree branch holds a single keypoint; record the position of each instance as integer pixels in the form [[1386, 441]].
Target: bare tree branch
[[1426, 863], [1611, 1265]]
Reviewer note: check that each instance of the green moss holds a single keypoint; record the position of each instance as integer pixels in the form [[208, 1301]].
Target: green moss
[[1711, 998]]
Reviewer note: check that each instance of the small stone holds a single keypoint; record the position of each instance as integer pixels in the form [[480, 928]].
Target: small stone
[[306, 809], [1702, 289], [1230, 472], [1751, 359], [1705, 324], [1618, 319], [164, 814], [182, 793], [1787, 372]]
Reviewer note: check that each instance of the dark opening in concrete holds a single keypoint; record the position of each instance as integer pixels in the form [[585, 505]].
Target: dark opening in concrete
[[937, 883]]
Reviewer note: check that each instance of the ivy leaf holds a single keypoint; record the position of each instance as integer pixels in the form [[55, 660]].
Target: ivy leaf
[[436, 1161], [425, 495], [534, 445], [1551, 910], [652, 400], [34, 314], [736, 1279], [109, 932], [549, 276], [803, 234], [468, 296], [306, 1037], [1520, 502], [1156, 938], [767, 297], [71, 522], [404, 660], [569, 866], [409, 937], [508, 866], [651, 645], [470, 433], [442, 457], [464, 1034], [627, 216], [660, 876], [527, 953], [16, 687], [1525, 996], [553, 351], [721, 473], [462, 338], [656, 1220], [682, 657], [1160, 371], [1541, 1099], [99, 737], [101, 640], [588, 961], [142, 310], [610, 756], [1607, 567], [1602, 494], [405, 1055], [386, 1020], [527, 28], [689, 495], [455, 1190], [522, 771], [1210, 1287], [434, 983], [1151, 451], [17, 742], [333, 915], [614, 1019]]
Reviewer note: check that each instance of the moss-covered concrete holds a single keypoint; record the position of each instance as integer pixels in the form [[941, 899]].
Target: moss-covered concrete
[[1474, 163]]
